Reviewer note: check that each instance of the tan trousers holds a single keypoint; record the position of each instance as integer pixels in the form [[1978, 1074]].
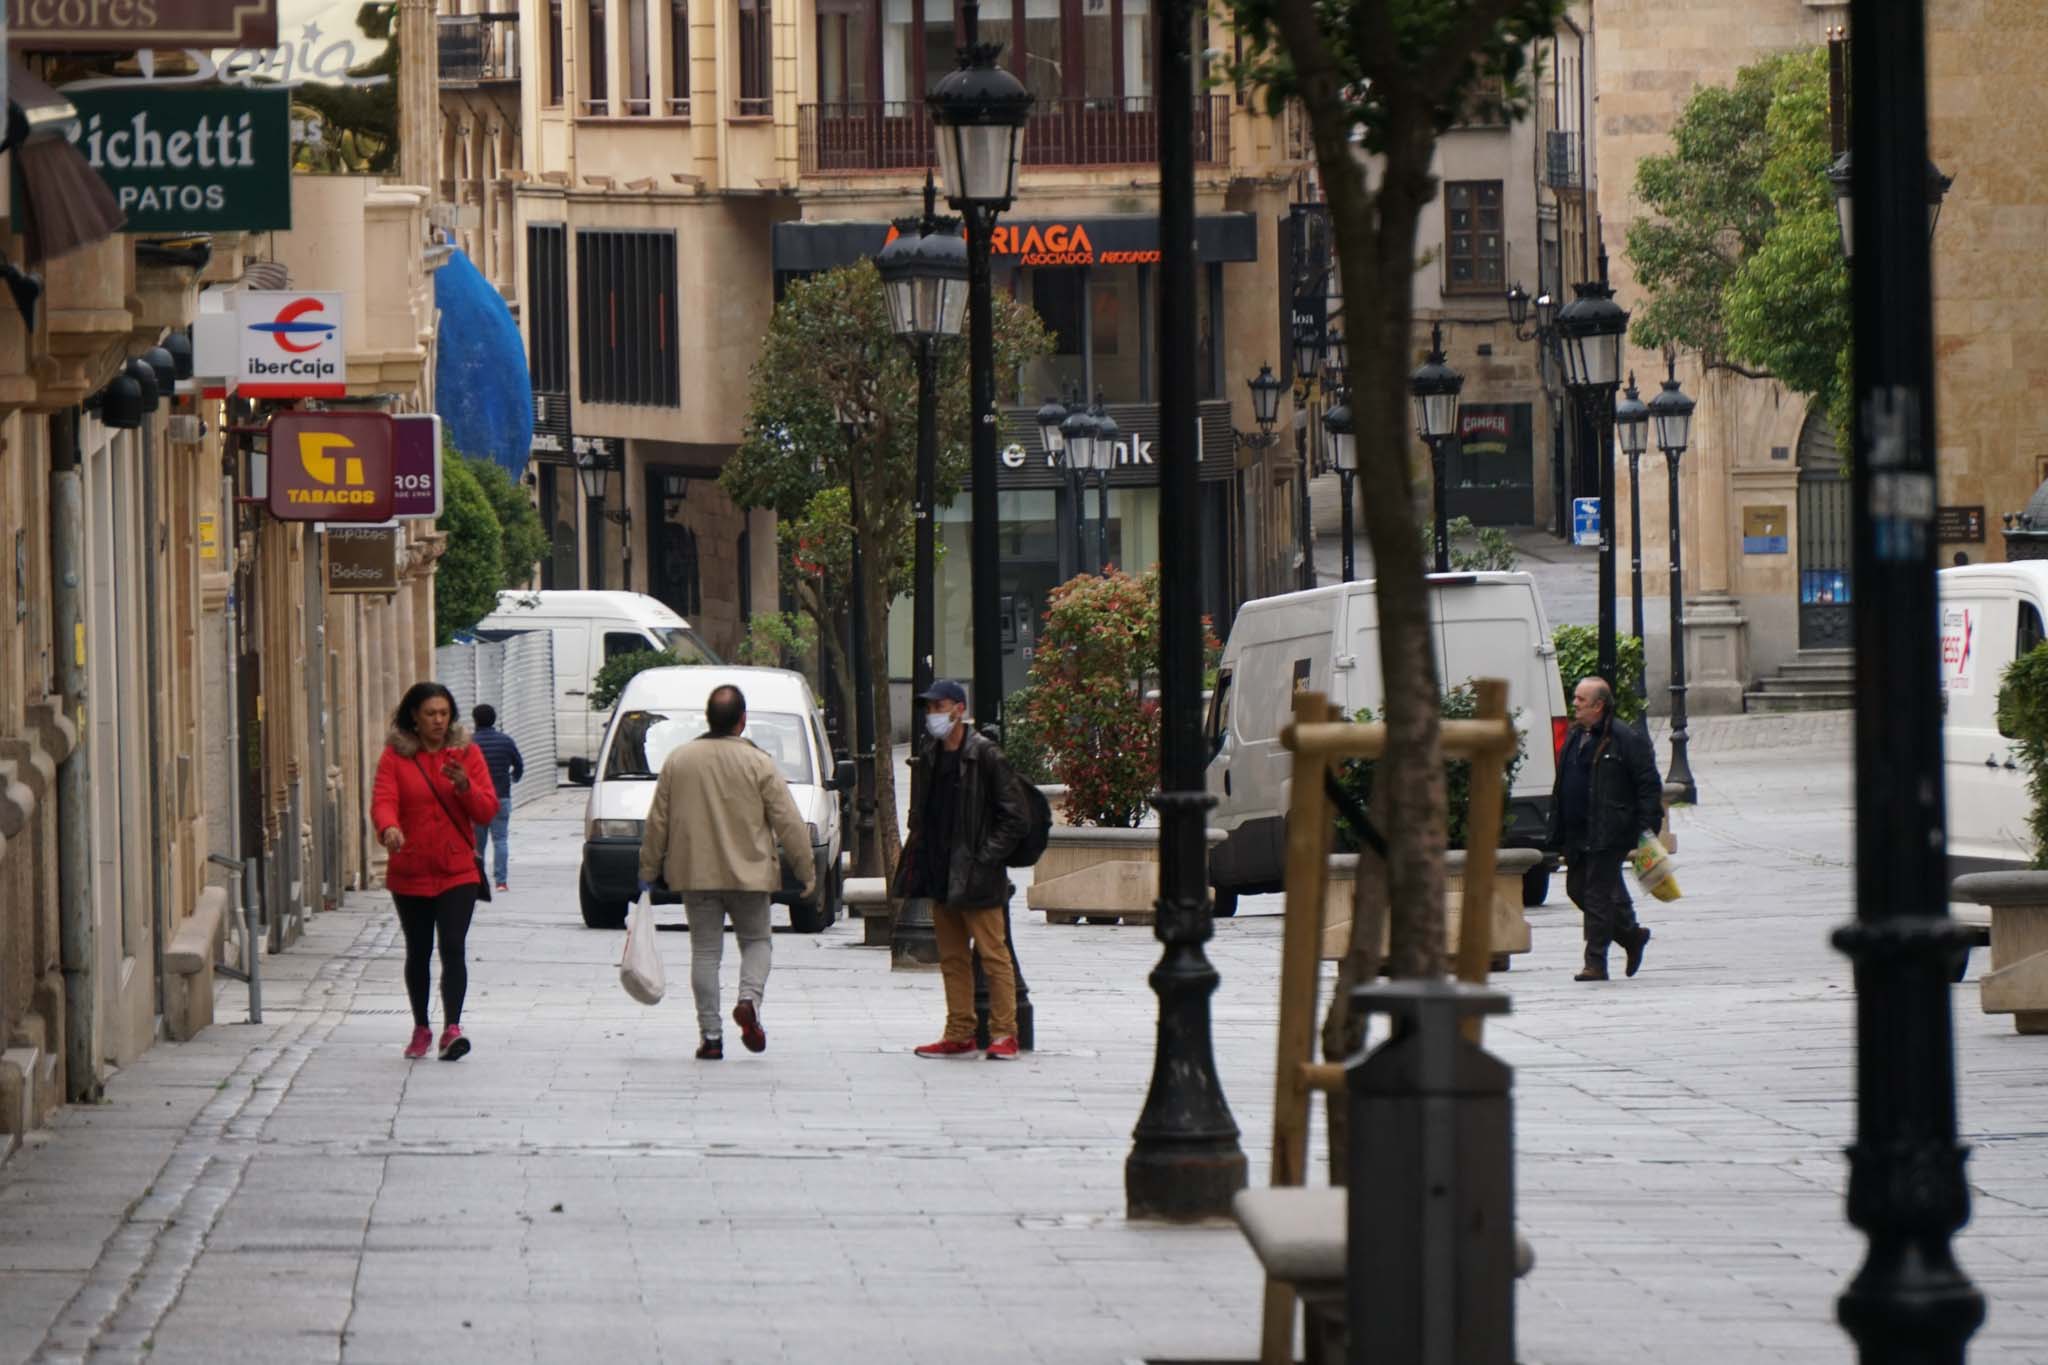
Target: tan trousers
[[953, 929]]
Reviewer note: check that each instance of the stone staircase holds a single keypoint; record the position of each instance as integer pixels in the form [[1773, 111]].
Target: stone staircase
[[1818, 680]]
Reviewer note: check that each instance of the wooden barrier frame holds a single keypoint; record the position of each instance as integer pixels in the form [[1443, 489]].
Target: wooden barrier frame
[[1319, 738]]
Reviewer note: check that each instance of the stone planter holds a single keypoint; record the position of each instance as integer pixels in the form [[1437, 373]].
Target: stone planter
[[1055, 795], [2017, 983], [1510, 929], [1098, 876]]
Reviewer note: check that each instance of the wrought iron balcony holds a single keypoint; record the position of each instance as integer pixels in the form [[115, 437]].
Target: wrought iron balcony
[[1561, 160], [479, 49], [852, 138]]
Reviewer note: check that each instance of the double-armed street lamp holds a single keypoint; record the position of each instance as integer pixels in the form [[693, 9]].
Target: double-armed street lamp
[[1085, 439], [1589, 333], [1632, 429], [1435, 387], [978, 114], [1670, 412]]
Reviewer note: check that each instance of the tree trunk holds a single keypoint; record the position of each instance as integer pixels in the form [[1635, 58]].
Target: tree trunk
[[877, 664]]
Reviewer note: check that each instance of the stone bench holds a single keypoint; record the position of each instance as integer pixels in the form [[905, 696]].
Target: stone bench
[[1298, 1234], [188, 966], [867, 898]]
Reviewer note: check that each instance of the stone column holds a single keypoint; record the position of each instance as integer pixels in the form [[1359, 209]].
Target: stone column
[[1716, 630], [419, 98]]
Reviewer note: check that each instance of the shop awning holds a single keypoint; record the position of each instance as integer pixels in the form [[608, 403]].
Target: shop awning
[[1102, 240], [64, 203]]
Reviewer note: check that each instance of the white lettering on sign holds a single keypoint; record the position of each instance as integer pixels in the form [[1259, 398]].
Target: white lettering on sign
[[210, 144], [277, 68], [1958, 650]]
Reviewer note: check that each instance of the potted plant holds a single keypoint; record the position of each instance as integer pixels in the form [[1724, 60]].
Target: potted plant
[[2017, 983], [1510, 928], [1088, 713]]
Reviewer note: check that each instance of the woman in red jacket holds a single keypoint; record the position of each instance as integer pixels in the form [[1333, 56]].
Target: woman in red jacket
[[432, 791]]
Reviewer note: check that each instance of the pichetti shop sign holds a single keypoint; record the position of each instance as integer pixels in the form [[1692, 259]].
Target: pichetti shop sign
[[126, 25], [291, 345], [191, 160], [330, 466]]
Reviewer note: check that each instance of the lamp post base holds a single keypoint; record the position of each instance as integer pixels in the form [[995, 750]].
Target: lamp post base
[[913, 943]]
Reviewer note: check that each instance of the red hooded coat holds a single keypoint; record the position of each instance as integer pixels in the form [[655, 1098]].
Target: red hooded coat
[[411, 794]]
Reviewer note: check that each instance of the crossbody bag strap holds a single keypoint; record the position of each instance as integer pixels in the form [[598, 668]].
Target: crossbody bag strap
[[436, 792]]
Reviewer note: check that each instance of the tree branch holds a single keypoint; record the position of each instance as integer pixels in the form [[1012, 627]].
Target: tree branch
[[1742, 370]]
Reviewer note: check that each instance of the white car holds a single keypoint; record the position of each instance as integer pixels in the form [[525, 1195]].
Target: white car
[[664, 707]]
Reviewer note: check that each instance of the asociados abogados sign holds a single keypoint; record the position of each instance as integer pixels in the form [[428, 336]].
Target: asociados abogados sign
[[190, 160]]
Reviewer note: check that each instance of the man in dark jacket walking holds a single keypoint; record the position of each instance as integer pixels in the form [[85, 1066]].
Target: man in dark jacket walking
[[1607, 796], [501, 756], [972, 816]]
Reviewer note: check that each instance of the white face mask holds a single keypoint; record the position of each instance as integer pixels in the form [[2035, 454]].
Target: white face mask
[[939, 724]]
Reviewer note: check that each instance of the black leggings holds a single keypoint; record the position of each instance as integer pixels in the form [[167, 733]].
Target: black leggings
[[422, 917]]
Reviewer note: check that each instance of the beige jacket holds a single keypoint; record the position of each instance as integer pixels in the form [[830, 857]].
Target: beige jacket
[[719, 809]]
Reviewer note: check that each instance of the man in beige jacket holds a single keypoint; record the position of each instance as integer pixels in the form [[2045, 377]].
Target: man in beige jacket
[[720, 807]]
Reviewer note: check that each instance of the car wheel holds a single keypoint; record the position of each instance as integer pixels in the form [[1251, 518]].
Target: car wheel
[[818, 916], [1535, 886], [599, 914], [1226, 902]]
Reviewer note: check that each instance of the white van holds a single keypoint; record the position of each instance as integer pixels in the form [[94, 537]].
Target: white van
[[590, 628], [1990, 615], [664, 707], [1488, 625]]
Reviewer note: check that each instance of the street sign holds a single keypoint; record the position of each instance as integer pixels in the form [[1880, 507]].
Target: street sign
[[330, 466], [362, 558], [416, 465], [291, 345], [129, 25], [190, 160], [1586, 521]]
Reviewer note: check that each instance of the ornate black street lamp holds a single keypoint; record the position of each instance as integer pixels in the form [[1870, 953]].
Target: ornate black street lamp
[[1841, 181], [1340, 428], [1185, 1161], [978, 114], [1671, 413], [924, 278], [1632, 428], [1589, 332], [1107, 433], [1266, 389], [1077, 454], [594, 471], [1910, 1301], [1435, 387]]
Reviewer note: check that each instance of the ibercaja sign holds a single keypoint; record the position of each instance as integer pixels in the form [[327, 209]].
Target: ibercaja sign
[[331, 466], [291, 346]]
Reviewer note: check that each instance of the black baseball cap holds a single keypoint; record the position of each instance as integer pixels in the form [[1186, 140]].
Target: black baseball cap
[[944, 689]]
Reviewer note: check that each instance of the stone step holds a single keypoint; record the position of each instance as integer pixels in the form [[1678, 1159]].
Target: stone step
[[1813, 683], [1827, 668], [1788, 702]]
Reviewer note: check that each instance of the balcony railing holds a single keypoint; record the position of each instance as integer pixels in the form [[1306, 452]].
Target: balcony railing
[[477, 49], [1561, 160], [856, 137]]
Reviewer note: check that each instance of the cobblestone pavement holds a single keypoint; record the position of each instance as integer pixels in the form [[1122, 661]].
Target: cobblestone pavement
[[580, 1189]]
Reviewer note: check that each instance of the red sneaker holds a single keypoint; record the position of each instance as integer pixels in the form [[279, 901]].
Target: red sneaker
[[422, 1039], [1003, 1050], [947, 1047], [454, 1047], [751, 1033]]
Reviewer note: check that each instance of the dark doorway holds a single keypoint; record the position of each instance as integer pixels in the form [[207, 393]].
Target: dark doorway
[[1826, 585]]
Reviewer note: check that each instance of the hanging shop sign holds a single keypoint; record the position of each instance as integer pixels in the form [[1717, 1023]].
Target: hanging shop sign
[[190, 160], [330, 466], [291, 345], [416, 466], [362, 558], [127, 25]]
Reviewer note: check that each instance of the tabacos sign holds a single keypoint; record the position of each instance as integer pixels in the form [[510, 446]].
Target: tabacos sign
[[291, 345], [190, 160], [331, 466]]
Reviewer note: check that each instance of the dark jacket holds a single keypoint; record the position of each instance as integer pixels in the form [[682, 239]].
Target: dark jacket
[[502, 757], [1626, 798], [993, 820]]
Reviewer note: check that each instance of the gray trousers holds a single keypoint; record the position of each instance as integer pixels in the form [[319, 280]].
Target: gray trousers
[[707, 911]]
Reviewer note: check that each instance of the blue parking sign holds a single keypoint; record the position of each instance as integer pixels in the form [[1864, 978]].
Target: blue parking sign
[[1586, 521]]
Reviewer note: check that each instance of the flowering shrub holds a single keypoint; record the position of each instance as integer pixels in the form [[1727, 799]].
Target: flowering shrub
[[1087, 708]]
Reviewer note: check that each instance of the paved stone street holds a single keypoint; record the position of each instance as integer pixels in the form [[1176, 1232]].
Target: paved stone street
[[580, 1189]]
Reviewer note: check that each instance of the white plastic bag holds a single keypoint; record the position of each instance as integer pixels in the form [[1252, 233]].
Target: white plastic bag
[[640, 967]]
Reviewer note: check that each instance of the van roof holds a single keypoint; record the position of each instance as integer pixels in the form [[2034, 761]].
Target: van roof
[[766, 689], [601, 604], [1435, 580], [2034, 571]]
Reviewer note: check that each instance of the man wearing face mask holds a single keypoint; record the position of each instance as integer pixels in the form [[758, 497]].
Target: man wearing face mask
[[972, 816]]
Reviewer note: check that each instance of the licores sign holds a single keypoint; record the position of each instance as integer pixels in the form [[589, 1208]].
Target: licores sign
[[291, 345]]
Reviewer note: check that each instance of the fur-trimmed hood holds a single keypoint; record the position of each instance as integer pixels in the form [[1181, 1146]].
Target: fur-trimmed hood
[[406, 744]]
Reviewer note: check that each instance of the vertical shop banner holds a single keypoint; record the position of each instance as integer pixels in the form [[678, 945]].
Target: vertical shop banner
[[330, 466], [416, 466]]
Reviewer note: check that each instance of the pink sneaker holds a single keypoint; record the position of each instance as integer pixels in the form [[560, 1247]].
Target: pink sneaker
[[454, 1047], [422, 1039]]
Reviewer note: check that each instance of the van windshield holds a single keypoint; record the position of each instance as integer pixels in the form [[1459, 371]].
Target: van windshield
[[642, 740], [685, 644]]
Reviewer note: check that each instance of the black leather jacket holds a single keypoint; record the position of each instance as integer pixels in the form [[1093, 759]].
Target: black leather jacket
[[1626, 800], [993, 820]]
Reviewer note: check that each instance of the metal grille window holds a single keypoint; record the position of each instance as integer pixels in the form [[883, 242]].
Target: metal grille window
[[757, 48], [596, 99], [555, 63], [547, 301], [626, 311], [679, 58], [1475, 250]]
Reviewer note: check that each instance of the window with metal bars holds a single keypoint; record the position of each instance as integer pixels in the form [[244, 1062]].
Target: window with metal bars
[[597, 96], [679, 58], [1475, 249], [555, 63], [757, 48], [626, 314]]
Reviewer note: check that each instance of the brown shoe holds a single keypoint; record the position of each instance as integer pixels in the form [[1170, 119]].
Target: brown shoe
[[1591, 974]]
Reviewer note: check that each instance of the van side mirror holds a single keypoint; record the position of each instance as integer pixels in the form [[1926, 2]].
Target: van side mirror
[[843, 778], [582, 773]]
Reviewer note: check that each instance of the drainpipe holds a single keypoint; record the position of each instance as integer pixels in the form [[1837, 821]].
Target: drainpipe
[[78, 949], [153, 671]]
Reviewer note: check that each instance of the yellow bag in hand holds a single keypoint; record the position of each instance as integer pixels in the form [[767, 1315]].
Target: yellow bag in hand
[[1655, 869]]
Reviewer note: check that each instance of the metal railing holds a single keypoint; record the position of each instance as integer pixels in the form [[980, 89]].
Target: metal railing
[[477, 48], [1561, 159], [850, 137]]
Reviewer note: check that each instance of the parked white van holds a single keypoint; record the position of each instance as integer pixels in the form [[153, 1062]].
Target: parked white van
[[1990, 615], [1488, 625], [590, 628], [664, 707]]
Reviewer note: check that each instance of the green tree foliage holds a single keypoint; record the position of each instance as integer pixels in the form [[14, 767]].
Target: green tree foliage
[[526, 540], [774, 638], [1578, 656], [2023, 714], [1741, 257], [357, 124], [470, 572], [1355, 775]]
